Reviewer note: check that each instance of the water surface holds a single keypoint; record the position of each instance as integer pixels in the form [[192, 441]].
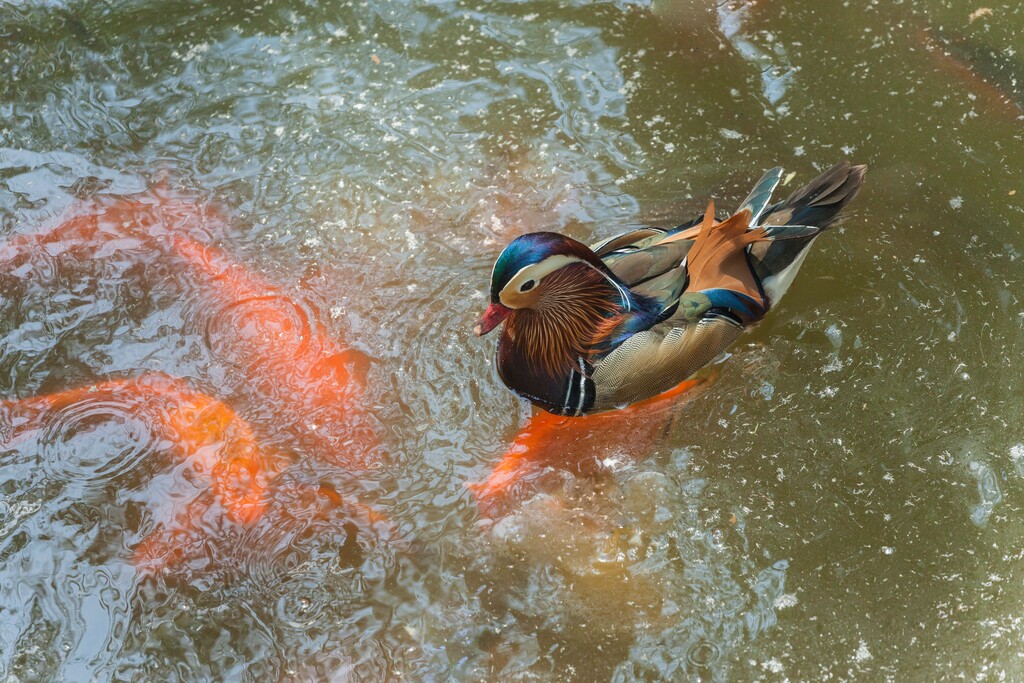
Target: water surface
[[843, 501]]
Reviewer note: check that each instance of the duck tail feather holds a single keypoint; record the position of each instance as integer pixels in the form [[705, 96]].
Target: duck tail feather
[[820, 201], [757, 200]]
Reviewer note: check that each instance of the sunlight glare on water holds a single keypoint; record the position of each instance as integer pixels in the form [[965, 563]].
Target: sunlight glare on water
[[240, 403]]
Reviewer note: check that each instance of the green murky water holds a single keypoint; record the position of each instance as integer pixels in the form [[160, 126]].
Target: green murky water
[[844, 502]]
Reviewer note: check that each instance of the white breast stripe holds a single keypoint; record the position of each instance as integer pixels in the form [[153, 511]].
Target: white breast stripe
[[568, 396], [583, 387]]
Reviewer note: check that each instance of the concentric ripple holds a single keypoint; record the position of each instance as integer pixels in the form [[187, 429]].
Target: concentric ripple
[[96, 441], [702, 654], [259, 330], [303, 599]]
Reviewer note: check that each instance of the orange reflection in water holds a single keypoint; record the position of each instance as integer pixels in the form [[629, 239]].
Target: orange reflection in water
[[104, 228], [580, 444], [291, 365]]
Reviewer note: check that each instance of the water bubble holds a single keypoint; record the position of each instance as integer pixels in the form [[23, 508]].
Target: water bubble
[[989, 492], [303, 600], [835, 335], [703, 654], [1017, 457]]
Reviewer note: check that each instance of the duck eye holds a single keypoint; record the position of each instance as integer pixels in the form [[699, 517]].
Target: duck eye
[[527, 286]]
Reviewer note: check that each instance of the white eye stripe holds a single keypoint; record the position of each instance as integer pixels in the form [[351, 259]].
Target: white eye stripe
[[541, 269], [535, 271]]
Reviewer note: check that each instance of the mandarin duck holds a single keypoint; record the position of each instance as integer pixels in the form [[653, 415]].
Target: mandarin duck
[[590, 329]]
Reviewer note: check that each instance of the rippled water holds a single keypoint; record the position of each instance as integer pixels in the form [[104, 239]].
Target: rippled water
[[245, 244]]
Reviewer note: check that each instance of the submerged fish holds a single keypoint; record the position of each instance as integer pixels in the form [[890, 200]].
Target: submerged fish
[[285, 358], [584, 445], [218, 446], [995, 77], [293, 371], [286, 355]]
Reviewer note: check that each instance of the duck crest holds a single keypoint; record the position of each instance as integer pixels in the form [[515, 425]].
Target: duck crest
[[578, 309]]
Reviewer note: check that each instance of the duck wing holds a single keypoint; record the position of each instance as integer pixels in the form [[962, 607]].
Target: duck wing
[[710, 279], [657, 266], [816, 204], [705, 302], [630, 240], [639, 266], [642, 254], [634, 258], [819, 202], [655, 360], [757, 201]]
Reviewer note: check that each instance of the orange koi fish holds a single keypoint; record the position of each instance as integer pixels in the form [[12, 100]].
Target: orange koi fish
[[287, 354], [295, 373], [221, 452], [580, 444], [288, 359], [100, 228], [218, 446]]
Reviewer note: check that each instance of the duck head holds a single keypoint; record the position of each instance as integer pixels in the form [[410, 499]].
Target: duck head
[[556, 298], [536, 272]]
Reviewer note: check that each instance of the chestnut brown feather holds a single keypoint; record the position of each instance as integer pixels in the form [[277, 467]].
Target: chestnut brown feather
[[576, 308]]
